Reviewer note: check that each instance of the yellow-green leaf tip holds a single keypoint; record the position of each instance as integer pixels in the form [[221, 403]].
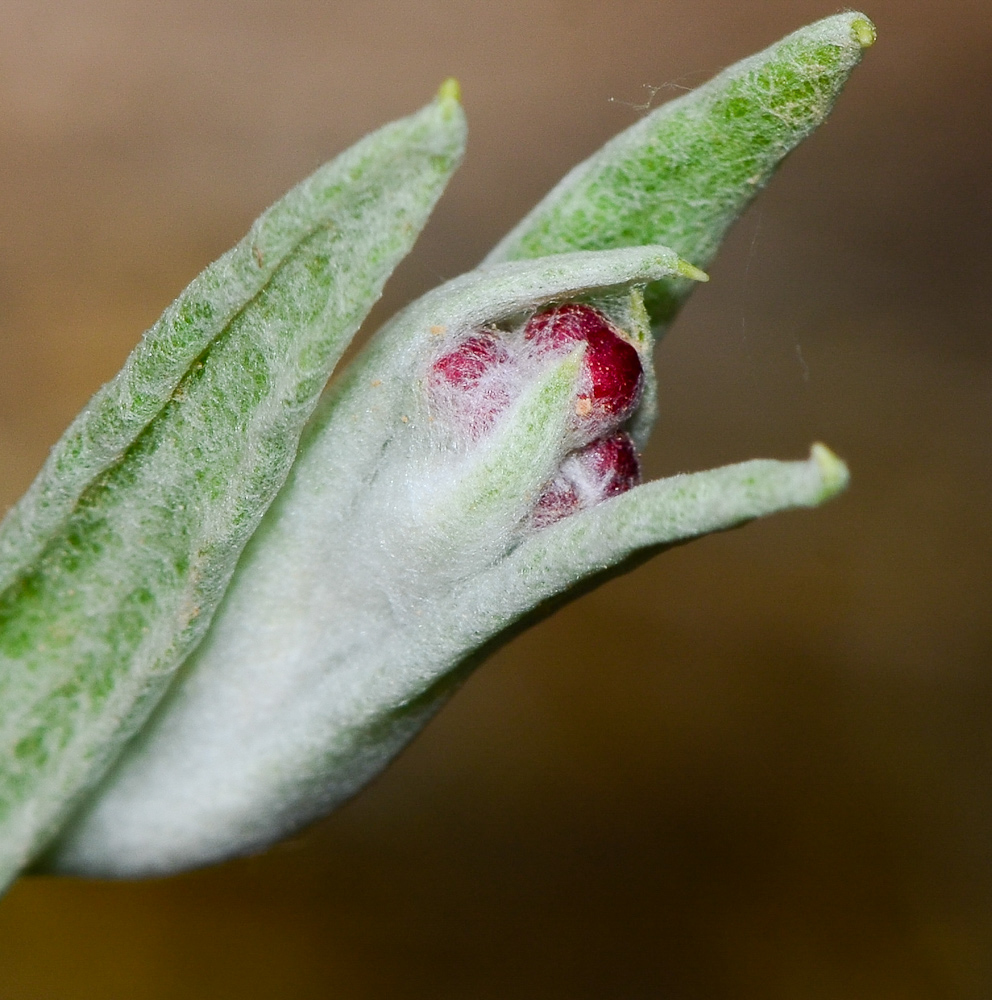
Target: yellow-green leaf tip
[[450, 92], [864, 32], [688, 270], [833, 471]]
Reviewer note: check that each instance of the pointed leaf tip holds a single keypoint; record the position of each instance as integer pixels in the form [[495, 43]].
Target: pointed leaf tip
[[688, 270], [864, 32], [450, 92], [833, 472]]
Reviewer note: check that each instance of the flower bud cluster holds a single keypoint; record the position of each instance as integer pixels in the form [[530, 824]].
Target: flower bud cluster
[[400, 534], [474, 383]]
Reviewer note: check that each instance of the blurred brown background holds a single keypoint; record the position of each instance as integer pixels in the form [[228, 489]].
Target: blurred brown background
[[760, 766]]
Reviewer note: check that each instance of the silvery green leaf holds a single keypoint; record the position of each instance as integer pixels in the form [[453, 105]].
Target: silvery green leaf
[[337, 626], [685, 172], [602, 542], [113, 563]]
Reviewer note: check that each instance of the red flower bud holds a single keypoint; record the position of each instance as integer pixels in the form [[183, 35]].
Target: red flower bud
[[473, 383], [472, 380], [588, 476], [612, 367]]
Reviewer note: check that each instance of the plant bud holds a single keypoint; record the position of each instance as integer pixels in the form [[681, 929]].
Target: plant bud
[[402, 547], [606, 468], [612, 372], [471, 382], [346, 625]]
